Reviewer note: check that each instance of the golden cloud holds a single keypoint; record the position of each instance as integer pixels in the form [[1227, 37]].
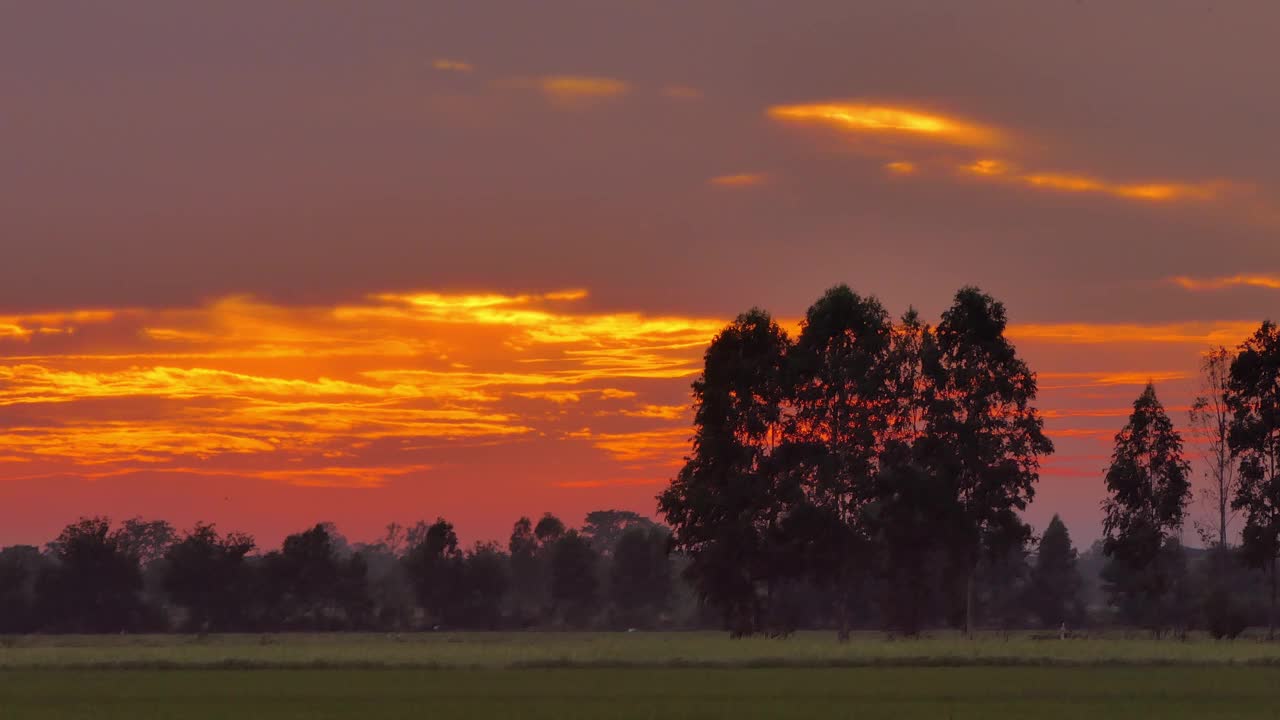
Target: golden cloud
[[900, 167], [739, 180], [1257, 280], [575, 91], [1191, 333], [356, 394], [447, 65], [283, 390], [888, 121]]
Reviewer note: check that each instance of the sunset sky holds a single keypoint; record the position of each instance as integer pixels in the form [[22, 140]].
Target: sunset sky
[[270, 263]]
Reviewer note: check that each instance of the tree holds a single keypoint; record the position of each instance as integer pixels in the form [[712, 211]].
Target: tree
[[913, 514], [434, 567], [485, 582], [1254, 398], [982, 431], [529, 585], [94, 584], [1148, 491], [1211, 417], [603, 528], [1055, 592], [146, 540], [843, 405], [574, 583], [20, 568], [205, 574], [302, 579], [640, 575], [727, 501], [548, 530]]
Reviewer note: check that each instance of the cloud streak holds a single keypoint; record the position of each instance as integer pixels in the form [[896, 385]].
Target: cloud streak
[[888, 121], [1253, 280]]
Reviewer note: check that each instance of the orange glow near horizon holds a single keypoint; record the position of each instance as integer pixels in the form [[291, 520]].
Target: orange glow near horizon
[[407, 390]]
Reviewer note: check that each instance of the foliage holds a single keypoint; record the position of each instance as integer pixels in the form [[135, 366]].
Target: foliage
[[1253, 394], [1055, 588], [1148, 488]]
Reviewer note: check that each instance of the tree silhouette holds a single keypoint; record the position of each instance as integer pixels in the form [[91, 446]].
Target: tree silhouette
[[434, 567], [1211, 416], [1056, 584], [93, 585], [206, 575], [726, 503], [574, 580], [640, 575], [843, 405], [1254, 397], [982, 431], [1148, 490]]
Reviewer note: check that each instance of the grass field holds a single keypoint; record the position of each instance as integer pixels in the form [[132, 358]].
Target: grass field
[[655, 650], [1042, 693], [634, 675]]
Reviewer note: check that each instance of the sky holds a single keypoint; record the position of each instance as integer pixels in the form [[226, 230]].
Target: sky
[[271, 263]]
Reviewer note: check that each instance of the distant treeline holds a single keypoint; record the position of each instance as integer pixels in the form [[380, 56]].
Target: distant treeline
[[866, 474], [614, 572]]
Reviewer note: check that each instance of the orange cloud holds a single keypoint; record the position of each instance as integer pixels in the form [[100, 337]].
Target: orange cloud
[[283, 390], [900, 167], [739, 180], [575, 91], [1006, 171], [1270, 282], [888, 121], [1191, 333], [448, 65]]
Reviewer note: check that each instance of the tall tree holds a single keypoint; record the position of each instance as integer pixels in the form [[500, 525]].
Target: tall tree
[[1148, 489], [146, 540], [1056, 585], [603, 528], [640, 575], [1254, 397], [206, 575], [485, 582], [726, 503], [434, 567], [94, 584], [982, 431], [20, 569], [574, 581], [1211, 417], [843, 406]]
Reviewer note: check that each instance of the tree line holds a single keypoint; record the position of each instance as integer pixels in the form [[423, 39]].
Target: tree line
[[887, 463], [139, 575], [865, 474]]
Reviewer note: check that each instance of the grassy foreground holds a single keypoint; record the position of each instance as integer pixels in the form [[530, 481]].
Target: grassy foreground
[[1042, 693], [604, 650]]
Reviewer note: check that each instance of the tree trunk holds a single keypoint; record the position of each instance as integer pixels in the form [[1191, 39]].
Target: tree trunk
[[843, 634], [1271, 612], [969, 593]]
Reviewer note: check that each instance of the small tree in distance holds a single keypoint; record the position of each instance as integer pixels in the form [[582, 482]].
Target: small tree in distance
[[1055, 591]]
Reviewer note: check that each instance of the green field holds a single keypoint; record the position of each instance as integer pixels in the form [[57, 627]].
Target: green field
[[561, 694], [634, 675], [651, 650]]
